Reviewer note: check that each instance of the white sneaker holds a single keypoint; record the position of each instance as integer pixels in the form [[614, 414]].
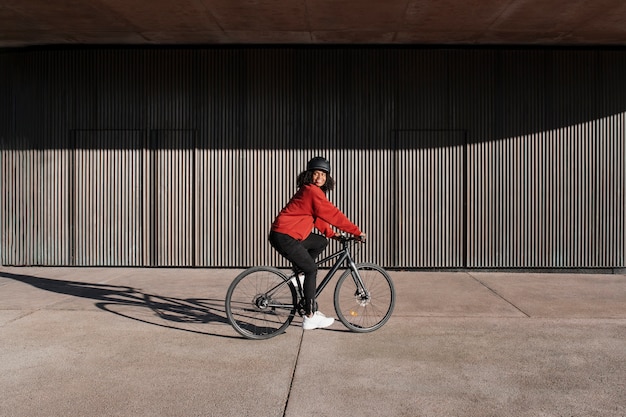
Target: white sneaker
[[317, 321]]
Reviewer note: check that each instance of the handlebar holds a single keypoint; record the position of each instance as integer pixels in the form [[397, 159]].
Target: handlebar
[[343, 238]]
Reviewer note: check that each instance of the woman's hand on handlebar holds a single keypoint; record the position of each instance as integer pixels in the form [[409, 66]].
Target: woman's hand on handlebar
[[342, 237]]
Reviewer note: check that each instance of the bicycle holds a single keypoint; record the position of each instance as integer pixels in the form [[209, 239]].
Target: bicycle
[[262, 301]]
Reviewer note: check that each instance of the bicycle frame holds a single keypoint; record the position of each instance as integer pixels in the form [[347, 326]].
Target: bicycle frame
[[343, 255]]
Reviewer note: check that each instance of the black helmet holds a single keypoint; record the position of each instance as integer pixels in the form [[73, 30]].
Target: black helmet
[[318, 163]]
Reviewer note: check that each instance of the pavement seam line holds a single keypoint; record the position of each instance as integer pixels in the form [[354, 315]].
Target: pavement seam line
[[28, 313], [293, 374], [498, 295]]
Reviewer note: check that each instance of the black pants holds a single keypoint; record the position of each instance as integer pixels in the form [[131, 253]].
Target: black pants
[[302, 254]]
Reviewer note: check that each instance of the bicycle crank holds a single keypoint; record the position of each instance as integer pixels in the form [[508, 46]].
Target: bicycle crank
[[302, 307]]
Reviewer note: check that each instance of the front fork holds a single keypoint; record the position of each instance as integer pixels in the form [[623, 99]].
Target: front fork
[[361, 292]]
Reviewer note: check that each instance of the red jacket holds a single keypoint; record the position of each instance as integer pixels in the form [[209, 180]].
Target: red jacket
[[310, 207]]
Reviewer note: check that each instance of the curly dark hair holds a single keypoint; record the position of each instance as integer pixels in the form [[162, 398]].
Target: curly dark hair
[[306, 177]]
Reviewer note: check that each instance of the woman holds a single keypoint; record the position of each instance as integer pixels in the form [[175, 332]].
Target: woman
[[291, 234]]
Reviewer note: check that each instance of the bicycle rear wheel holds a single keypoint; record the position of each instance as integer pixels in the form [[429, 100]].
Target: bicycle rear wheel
[[364, 309], [260, 303]]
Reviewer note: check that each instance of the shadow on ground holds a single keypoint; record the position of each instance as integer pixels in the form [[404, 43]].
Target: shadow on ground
[[175, 313]]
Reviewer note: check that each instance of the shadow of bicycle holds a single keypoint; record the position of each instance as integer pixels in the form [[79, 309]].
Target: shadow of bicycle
[[185, 314]]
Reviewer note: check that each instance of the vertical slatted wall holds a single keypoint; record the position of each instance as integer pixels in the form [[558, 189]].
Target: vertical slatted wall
[[430, 199], [107, 199], [182, 157]]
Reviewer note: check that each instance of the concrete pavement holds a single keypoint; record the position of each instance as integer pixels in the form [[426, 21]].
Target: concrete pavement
[[154, 342]]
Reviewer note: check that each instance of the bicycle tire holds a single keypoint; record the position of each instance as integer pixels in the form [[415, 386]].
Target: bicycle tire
[[365, 312], [255, 313]]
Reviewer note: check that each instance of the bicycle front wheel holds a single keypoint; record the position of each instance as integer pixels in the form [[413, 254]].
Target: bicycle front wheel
[[364, 309], [260, 303]]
